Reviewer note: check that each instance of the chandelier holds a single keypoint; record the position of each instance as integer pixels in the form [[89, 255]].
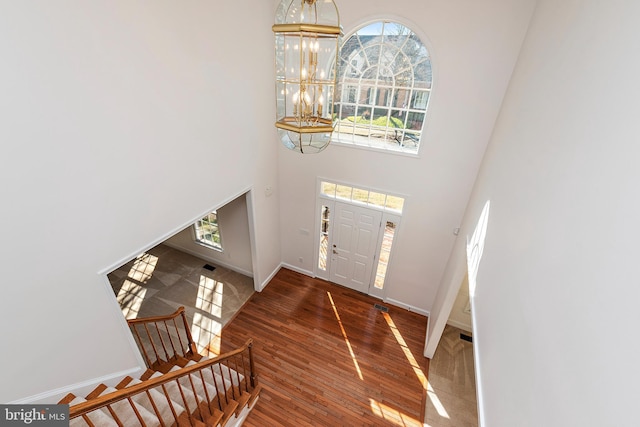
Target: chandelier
[[307, 35]]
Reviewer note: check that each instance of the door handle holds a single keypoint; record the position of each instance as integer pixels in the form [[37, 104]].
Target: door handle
[[335, 252]]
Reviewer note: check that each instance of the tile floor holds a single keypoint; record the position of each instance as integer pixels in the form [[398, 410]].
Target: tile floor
[[451, 398], [162, 279]]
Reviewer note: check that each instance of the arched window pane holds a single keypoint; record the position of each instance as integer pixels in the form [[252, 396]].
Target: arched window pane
[[384, 86]]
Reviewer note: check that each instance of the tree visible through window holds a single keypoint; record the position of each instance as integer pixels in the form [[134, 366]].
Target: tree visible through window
[[207, 231], [384, 83]]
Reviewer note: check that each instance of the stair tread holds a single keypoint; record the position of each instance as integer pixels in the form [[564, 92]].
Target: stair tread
[[243, 400], [163, 404], [124, 410], [229, 411], [98, 417], [96, 392]]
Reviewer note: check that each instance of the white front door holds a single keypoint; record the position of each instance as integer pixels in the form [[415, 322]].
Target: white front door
[[354, 238]]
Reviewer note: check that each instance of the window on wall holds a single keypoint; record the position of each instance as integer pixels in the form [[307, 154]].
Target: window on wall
[[385, 252], [384, 83], [207, 231], [391, 207], [324, 237], [363, 196]]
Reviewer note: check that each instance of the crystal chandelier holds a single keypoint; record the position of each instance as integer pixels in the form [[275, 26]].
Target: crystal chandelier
[[307, 36]]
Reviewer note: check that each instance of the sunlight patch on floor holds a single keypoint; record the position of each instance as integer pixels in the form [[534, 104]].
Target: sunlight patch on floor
[[407, 352], [435, 401], [346, 339], [207, 327], [130, 297], [210, 296], [392, 415], [204, 330], [416, 367], [143, 267]]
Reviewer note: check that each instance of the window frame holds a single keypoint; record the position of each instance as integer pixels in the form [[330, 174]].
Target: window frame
[[393, 208], [406, 138], [210, 244]]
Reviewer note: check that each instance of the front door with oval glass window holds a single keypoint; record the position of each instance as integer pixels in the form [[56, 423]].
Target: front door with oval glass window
[[354, 245]]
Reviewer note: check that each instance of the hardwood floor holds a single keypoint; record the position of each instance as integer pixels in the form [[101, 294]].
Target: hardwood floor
[[326, 356]]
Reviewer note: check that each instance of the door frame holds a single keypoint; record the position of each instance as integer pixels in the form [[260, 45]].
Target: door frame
[[373, 247], [387, 215]]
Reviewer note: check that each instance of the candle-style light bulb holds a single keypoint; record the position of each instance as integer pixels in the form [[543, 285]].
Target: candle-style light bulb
[[296, 102], [320, 103]]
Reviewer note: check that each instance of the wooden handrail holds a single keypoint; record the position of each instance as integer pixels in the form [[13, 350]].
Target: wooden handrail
[[84, 408], [175, 314], [159, 349]]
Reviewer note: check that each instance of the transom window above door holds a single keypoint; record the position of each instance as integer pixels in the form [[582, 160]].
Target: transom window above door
[[357, 228], [384, 85], [363, 196]]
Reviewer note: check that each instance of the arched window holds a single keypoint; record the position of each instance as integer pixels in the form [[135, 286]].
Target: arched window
[[384, 83]]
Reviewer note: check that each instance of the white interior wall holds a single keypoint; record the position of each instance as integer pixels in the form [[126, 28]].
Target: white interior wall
[[459, 316], [474, 46], [236, 245], [556, 297], [122, 122]]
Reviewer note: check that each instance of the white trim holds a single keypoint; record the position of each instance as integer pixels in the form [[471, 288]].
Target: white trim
[[330, 203], [476, 364], [211, 260], [451, 289], [407, 306], [336, 142], [424, 352], [119, 317], [82, 388], [350, 28], [460, 325], [396, 218], [171, 233], [239, 419], [298, 269], [251, 218], [268, 279], [109, 290]]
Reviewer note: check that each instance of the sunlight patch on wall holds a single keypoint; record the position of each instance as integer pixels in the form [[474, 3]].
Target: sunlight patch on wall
[[475, 247]]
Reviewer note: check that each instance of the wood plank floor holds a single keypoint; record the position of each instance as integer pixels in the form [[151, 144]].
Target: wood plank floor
[[327, 357]]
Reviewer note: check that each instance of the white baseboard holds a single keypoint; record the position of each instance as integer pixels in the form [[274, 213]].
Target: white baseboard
[[210, 259], [284, 265], [407, 306], [79, 389], [426, 340], [298, 270], [459, 325], [268, 279], [239, 419]]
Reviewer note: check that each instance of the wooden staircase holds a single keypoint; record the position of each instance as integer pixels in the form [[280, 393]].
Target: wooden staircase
[[180, 387]]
